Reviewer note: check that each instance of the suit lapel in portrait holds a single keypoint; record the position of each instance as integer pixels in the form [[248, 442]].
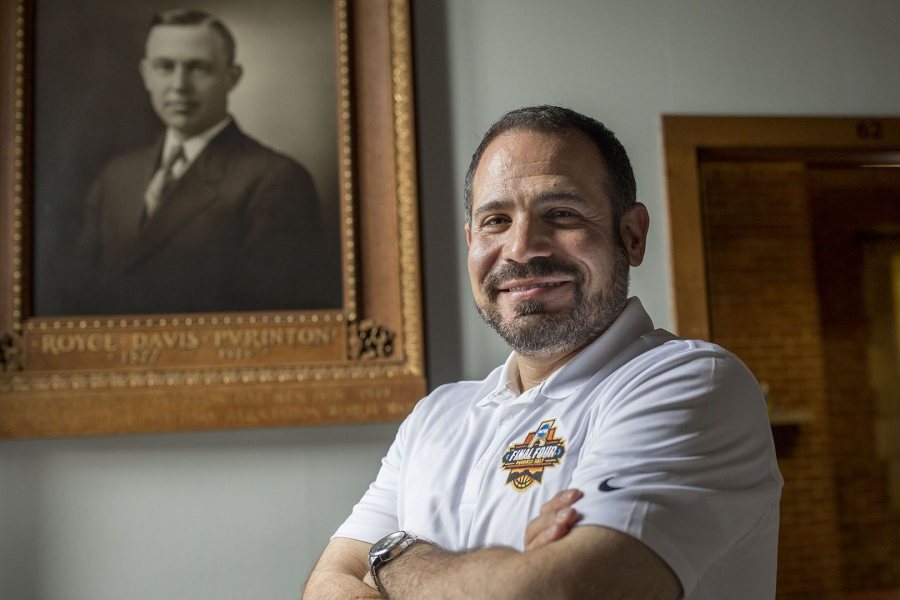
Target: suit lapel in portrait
[[126, 214]]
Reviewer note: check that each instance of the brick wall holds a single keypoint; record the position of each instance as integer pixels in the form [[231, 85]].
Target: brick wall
[[853, 210], [764, 307]]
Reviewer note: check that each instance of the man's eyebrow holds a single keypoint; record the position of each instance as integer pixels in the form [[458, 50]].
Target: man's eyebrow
[[556, 196], [491, 206], [191, 62], [543, 198]]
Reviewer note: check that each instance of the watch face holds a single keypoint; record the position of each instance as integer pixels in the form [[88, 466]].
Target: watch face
[[387, 543]]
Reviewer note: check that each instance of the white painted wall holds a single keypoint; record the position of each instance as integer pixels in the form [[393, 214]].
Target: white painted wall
[[627, 62], [184, 516], [244, 514]]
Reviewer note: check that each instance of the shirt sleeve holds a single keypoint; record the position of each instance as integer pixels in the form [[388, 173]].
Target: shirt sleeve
[[680, 456], [376, 514]]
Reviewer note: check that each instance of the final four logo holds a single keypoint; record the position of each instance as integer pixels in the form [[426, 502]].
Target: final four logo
[[526, 461]]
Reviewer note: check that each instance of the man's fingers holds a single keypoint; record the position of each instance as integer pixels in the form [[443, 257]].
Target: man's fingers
[[554, 521], [564, 516], [547, 535], [548, 528], [561, 500]]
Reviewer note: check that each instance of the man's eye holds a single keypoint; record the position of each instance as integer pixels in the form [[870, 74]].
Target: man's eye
[[202, 68], [562, 213], [163, 67], [494, 221]]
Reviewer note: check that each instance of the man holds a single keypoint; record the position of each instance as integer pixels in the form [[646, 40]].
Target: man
[[206, 219], [605, 458]]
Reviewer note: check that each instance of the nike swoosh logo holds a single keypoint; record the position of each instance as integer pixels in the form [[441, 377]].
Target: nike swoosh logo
[[605, 487]]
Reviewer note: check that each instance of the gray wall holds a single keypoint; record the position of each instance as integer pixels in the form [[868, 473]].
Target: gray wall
[[245, 514]]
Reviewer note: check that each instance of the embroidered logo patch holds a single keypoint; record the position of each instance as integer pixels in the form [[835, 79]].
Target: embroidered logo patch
[[526, 461]]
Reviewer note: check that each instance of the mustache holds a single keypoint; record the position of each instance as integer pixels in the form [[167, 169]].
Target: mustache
[[541, 266]]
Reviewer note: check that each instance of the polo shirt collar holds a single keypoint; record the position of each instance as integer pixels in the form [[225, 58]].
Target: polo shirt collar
[[628, 327]]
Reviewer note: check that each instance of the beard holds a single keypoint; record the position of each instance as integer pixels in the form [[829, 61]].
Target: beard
[[536, 331]]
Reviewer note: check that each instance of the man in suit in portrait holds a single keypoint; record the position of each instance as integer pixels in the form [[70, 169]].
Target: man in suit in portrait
[[207, 218]]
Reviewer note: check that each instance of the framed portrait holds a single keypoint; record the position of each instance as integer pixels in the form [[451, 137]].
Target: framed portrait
[[209, 216]]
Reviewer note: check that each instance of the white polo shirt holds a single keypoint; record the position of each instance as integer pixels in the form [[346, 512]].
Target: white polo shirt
[[668, 439]]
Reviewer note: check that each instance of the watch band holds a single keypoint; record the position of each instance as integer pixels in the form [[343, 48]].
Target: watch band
[[376, 579], [388, 548]]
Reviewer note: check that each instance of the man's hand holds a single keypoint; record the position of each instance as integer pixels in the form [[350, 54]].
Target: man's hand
[[587, 562], [554, 521], [340, 573], [560, 562]]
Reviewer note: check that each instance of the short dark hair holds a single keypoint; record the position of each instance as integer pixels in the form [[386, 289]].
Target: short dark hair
[[558, 120], [192, 16]]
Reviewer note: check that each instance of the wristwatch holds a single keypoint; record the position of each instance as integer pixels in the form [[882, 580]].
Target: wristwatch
[[388, 548]]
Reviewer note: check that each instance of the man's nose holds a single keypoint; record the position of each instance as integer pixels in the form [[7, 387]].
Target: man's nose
[[526, 239], [181, 78]]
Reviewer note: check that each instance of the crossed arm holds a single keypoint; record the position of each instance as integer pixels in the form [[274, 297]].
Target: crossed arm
[[559, 560]]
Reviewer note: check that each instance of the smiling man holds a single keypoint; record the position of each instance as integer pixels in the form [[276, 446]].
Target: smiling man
[[605, 458], [206, 218]]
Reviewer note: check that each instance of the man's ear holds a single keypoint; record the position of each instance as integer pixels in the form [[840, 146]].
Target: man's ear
[[633, 228], [235, 72], [468, 234]]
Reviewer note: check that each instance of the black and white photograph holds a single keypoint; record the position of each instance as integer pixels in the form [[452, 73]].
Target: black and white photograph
[[185, 157]]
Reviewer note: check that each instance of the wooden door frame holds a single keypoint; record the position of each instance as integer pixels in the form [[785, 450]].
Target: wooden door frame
[[686, 137]]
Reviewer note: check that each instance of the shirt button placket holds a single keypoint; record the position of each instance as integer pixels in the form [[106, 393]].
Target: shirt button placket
[[476, 477]]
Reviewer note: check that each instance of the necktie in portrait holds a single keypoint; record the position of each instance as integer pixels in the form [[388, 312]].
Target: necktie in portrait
[[163, 180]]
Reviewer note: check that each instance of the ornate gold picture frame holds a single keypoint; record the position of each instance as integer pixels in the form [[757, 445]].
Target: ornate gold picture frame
[[113, 374]]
